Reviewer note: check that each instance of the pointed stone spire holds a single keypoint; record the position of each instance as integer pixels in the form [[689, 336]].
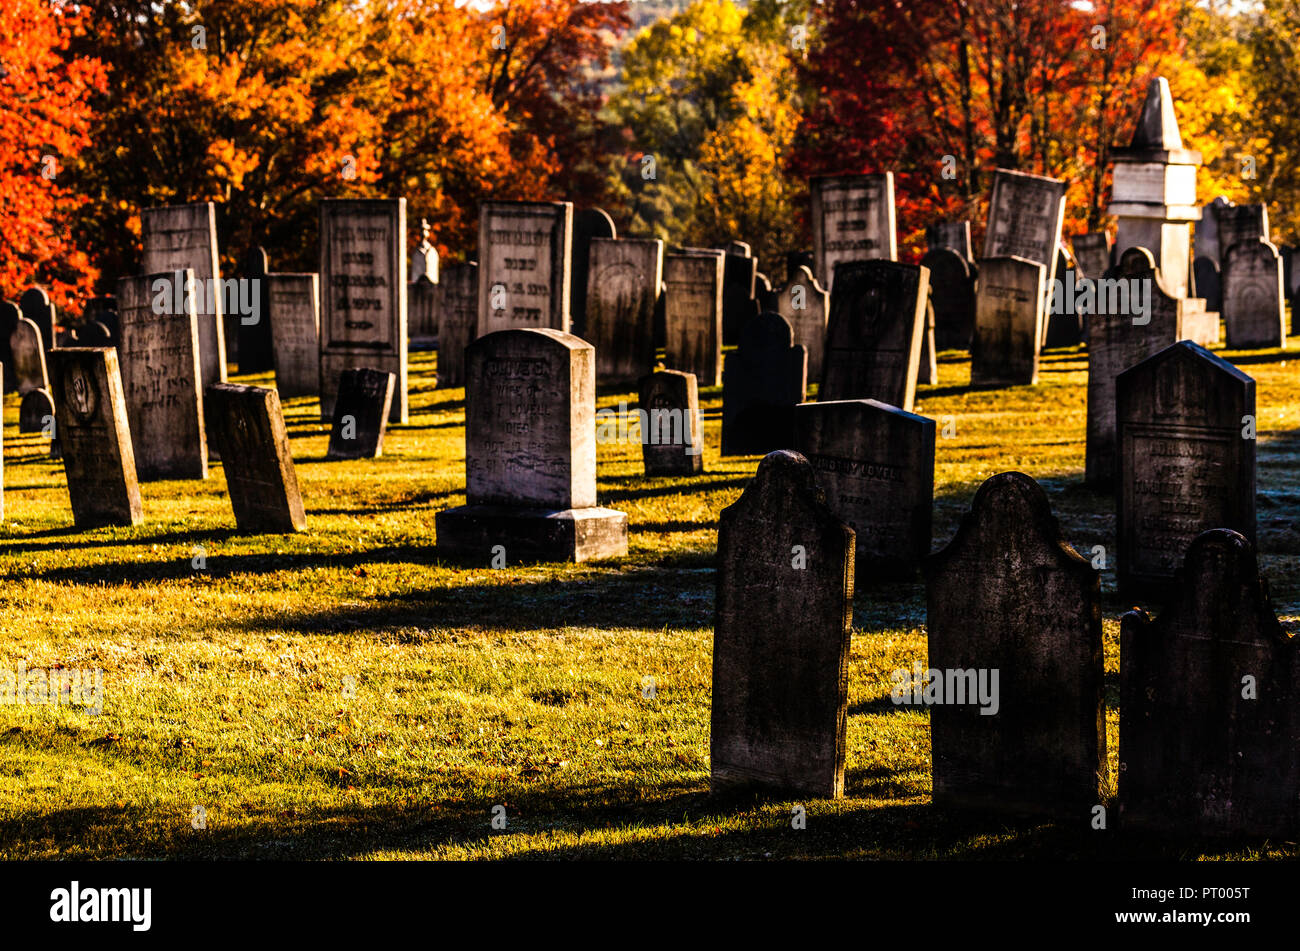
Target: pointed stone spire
[[1157, 127]]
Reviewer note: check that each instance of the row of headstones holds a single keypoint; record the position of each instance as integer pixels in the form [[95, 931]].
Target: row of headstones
[[1014, 678]]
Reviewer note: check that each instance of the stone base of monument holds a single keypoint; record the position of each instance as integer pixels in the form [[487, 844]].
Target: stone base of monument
[[526, 534]]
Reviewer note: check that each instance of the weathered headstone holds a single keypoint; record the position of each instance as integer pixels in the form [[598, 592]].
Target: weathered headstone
[[180, 237], [1209, 285], [739, 283], [1239, 223], [524, 277], [27, 351], [1064, 324], [693, 314], [159, 356], [363, 288], [530, 454], [873, 338], [1008, 315], [9, 315], [1207, 231], [766, 377], [361, 414], [457, 320], [952, 291], [623, 288], [255, 352], [1026, 215], [40, 310], [780, 700], [805, 306], [1092, 254], [588, 225], [1254, 306], [1009, 599], [672, 438], [876, 465], [293, 310], [94, 438], [1185, 461], [35, 412], [952, 236], [247, 427], [1209, 740], [852, 220]]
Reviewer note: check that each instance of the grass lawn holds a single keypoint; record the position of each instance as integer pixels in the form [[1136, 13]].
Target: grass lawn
[[345, 693]]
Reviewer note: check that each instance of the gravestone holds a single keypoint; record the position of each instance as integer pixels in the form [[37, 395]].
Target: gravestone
[[1254, 306], [37, 307], [693, 314], [1209, 286], [255, 352], [1010, 595], [293, 310], [9, 315], [873, 338], [805, 305], [951, 236], [763, 293], [952, 292], [180, 237], [363, 287], [1184, 462], [672, 441], [1239, 223], [739, 284], [1026, 215], [247, 428], [27, 351], [94, 334], [35, 412], [781, 637], [422, 314], [103, 310], [1092, 253], [524, 256], [361, 414], [1119, 339], [797, 259], [530, 454], [94, 438], [159, 355], [1207, 231], [852, 220], [927, 369], [1200, 752], [623, 288], [457, 320], [876, 465], [1008, 315], [1064, 324], [765, 379], [588, 225], [424, 262]]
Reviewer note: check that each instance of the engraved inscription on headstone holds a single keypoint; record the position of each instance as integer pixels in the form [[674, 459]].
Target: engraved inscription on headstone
[[524, 265], [1008, 318], [852, 220]]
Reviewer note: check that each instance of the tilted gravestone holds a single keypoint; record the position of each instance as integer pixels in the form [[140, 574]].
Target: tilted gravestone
[[852, 220], [623, 289], [1239, 223], [1209, 739], [255, 352], [247, 427], [36, 412], [806, 306], [1254, 305], [1092, 253], [181, 237], [873, 338], [293, 310], [1026, 215], [27, 351], [40, 310], [530, 454], [1008, 597], [361, 414], [457, 320], [672, 439], [952, 292], [781, 637], [1185, 461], [94, 438], [765, 379], [363, 287], [739, 287], [951, 236], [693, 314], [1008, 319], [524, 256], [1209, 285], [159, 356], [589, 224], [876, 465]]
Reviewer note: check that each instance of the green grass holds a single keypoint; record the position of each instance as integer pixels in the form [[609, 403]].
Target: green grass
[[344, 693]]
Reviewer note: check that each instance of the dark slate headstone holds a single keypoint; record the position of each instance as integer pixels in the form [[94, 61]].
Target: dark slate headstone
[[624, 275], [1207, 231], [795, 260], [27, 351], [952, 292], [255, 353], [1205, 271], [361, 414], [1092, 254], [1009, 595], [765, 378], [94, 334], [457, 317], [1008, 318], [1184, 462], [36, 412], [9, 315], [781, 637], [693, 314], [37, 307], [94, 438], [1254, 304], [247, 429], [763, 293], [876, 465], [1064, 329], [1209, 739], [1239, 223], [805, 305], [739, 284], [588, 223], [927, 368], [873, 338], [672, 441], [950, 236], [422, 314]]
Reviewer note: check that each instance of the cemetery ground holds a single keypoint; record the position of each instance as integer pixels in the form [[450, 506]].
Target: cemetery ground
[[347, 693]]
